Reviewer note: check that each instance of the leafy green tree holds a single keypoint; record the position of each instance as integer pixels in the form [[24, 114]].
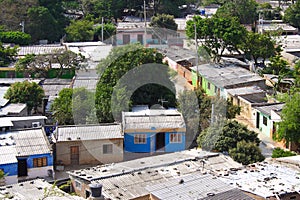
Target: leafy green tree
[[15, 37], [164, 21], [80, 31], [244, 10], [224, 136], [62, 107], [277, 66], [218, 34], [40, 22], [257, 46], [7, 55], [246, 153], [108, 31], [289, 127], [291, 15], [26, 92], [120, 61]]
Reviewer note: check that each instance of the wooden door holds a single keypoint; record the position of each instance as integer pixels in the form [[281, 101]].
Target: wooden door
[[74, 152]]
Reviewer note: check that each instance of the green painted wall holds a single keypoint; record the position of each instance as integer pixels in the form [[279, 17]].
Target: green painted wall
[[265, 129]]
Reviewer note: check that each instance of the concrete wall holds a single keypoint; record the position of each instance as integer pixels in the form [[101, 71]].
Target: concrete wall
[[26, 123], [79, 186], [90, 152]]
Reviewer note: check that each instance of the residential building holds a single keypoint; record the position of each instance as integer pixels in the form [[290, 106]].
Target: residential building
[[16, 123], [216, 79], [132, 179], [267, 116], [14, 110], [25, 155], [153, 130], [34, 189], [266, 26], [88, 144]]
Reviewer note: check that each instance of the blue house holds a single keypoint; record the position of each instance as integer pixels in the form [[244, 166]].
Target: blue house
[[25, 155], [153, 131]]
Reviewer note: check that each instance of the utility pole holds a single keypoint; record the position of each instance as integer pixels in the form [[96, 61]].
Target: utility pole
[[102, 27], [23, 26], [145, 21], [197, 57]]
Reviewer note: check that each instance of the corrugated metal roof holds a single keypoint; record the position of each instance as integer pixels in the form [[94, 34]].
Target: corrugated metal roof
[[153, 119], [89, 132], [190, 187], [39, 49], [9, 81], [22, 143], [34, 189], [245, 90], [8, 154], [267, 109], [12, 108], [3, 101], [227, 75], [31, 142], [89, 83]]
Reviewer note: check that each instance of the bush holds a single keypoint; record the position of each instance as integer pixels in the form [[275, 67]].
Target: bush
[[15, 37], [278, 152], [246, 153], [1, 174]]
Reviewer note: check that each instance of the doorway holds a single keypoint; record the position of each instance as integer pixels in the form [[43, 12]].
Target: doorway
[[257, 120], [160, 141], [74, 150], [22, 167]]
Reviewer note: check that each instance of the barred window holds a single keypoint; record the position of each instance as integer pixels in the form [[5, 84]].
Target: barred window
[[175, 138], [40, 162], [107, 149], [140, 139]]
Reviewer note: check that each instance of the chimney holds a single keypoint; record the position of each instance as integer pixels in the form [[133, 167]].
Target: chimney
[[96, 191]]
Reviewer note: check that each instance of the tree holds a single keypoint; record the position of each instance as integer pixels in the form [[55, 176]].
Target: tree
[[291, 15], [38, 65], [62, 107], [40, 22], [244, 10], [26, 92], [277, 66], [108, 31], [223, 136], [164, 21], [7, 55], [80, 31], [217, 34], [278, 153], [15, 37], [289, 127], [125, 60], [257, 46], [246, 153]]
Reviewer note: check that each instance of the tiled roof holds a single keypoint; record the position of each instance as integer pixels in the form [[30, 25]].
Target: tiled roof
[[89, 83], [89, 132], [8, 155]]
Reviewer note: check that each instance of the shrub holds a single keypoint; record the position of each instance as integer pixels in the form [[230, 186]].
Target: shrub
[[278, 152], [15, 37]]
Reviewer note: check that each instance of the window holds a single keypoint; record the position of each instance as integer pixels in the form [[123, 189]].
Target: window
[[265, 122], [140, 139], [208, 86], [216, 90], [40, 162], [126, 39], [77, 185], [140, 39], [107, 149], [175, 138]]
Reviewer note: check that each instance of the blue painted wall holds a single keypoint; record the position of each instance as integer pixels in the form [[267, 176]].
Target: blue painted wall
[[10, 169], [150, 145], [49, 159], [131, 147], [172, 147]]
